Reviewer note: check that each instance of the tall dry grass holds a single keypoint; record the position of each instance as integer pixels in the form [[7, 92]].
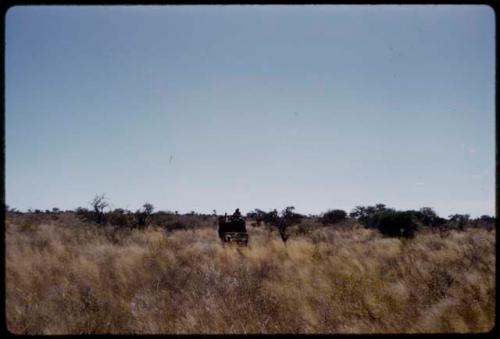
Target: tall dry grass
[[72, 278]]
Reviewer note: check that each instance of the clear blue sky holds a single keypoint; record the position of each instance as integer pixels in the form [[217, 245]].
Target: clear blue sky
[[218, 107]]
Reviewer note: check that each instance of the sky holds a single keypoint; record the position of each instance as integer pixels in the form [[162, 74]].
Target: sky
[[196, 108]]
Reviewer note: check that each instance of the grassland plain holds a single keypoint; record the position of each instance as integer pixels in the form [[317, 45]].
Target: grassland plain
[[69, 277]]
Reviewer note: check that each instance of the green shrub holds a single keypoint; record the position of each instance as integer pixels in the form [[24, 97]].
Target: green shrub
[[428, 217], [395, 223], [121, 218], [333, 217], [177, 225], [459, 221], [365, 214]]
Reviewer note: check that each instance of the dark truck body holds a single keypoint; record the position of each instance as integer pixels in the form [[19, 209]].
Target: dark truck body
[[233, 231]]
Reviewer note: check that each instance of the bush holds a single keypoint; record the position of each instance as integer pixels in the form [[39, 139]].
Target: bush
[[365, 214], [290, 217], [177, 225], [143, 216], [162, 218], [272, 217], [287, 218], [84, 213], [459, 221], [120, 218], [99, 203], [485, 221], [258, 215], [426, 216], [395, 223], [333, 217]]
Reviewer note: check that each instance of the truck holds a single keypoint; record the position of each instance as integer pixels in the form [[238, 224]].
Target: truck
[[232, 230]]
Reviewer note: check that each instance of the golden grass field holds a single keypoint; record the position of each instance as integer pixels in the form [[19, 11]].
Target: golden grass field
[[74, 278]]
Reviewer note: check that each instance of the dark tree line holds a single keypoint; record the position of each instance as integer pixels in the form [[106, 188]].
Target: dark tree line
[[388, 221]]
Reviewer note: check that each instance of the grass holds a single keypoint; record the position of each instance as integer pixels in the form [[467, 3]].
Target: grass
[[67, 277]]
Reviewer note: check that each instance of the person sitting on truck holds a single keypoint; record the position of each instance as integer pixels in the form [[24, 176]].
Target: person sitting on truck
[[236, 215]]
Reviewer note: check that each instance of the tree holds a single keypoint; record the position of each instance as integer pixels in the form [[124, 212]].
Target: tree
[[485, 221], [99, 203], [487, 218], [282, 226], [358, 212], [333, 217], [395, 223], [81, 210], [427, 216], [365, 214], [143, 215], [459, 220], [258, 215], [290, 217], [148, 208], [120, 217], [271, 217], [287, 218]]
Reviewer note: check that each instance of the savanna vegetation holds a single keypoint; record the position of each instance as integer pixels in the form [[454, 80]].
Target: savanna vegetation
[[373, 270]]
